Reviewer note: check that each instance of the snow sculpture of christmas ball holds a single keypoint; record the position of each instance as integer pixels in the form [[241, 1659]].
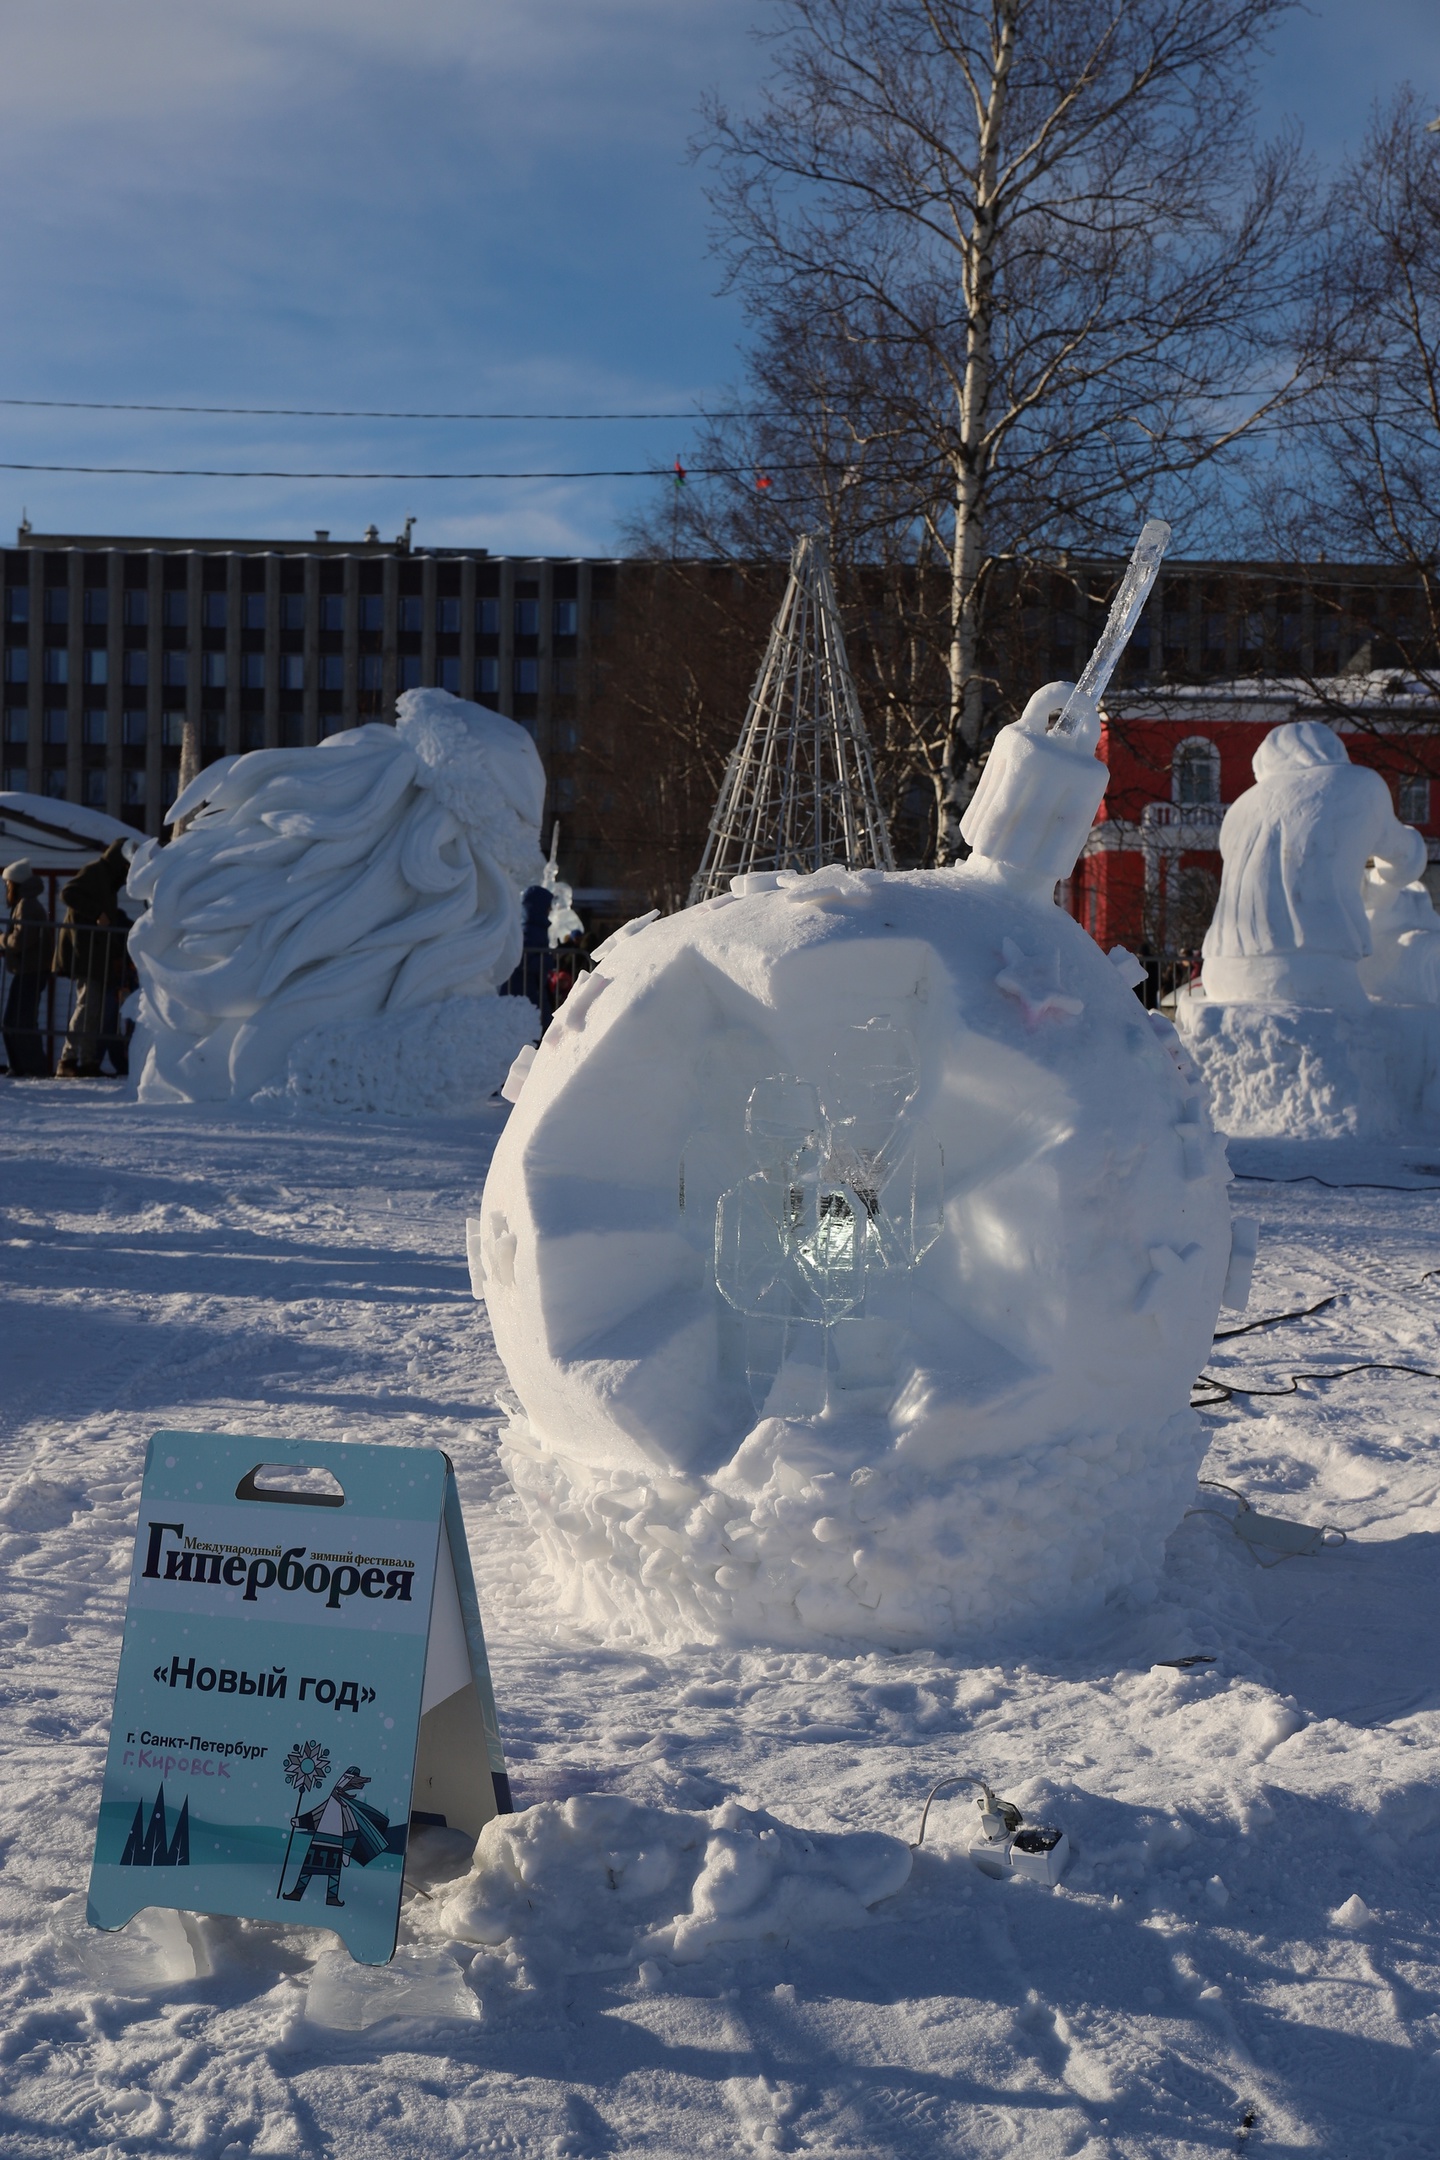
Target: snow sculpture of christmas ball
[[851, 1247]]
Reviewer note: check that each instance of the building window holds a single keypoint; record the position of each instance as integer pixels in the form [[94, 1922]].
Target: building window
[[97, 666], [94, 726], [172, 729], [132, 789], [447, 669], [97, 606], [410, 613], [57, 664], [332, 611], [408, 670], [55, 728], [174, 675], [252, 732], [212, 670], [372, 611], [177, 610], [17, 604], [527, 618], [1414, 799], [252, 671], [215, 610], [16, 780], [527, 673], [134, 728], [55, 783], [95, 787], [372, 671], [447, 617], [137, 669], [137, 610], [17, 725], [566, 618], [17, 663], [564, 678], [332, 671], [252, 613], [487, 676], [292, 730], [292, 611], [487, 617], [292, 671], [57, 604], [1195, 772]]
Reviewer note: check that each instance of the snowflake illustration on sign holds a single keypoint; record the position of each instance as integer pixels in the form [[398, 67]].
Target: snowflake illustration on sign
[[847, 1185], [307, 1765]]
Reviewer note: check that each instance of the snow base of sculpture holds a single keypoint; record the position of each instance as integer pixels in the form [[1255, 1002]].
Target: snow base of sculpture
[[441, 1061], [1298, 1072], [795, 1542]]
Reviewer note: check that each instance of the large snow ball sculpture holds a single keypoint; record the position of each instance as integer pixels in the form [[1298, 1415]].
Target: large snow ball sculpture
[[334, 922], [851, 1247]]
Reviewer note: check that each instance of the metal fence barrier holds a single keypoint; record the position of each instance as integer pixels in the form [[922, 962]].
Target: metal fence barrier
[[63, 1014]]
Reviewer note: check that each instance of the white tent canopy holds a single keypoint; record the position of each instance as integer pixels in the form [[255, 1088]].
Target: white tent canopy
[[56, 835]]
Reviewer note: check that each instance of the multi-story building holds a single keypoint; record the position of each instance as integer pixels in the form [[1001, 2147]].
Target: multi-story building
[[113, 646]]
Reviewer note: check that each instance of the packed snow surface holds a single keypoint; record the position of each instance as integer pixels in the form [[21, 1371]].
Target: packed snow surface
[[333, 923], [851, 1250], [1243, 1956]]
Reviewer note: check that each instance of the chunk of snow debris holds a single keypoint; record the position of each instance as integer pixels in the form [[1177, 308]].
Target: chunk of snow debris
[[600, 1880], [1353, 1914], [1216, 1893], [474, 1240], [518, 1074], [1126, 966], [1244, 1246]]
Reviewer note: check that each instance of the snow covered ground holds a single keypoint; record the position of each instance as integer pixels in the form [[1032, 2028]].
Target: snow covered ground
[[1245, 1955]]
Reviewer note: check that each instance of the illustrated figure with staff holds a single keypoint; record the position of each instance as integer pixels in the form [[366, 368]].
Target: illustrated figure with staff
[[341, 1828]]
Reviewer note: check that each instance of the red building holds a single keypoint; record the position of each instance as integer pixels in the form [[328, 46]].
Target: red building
[[1150, 871]]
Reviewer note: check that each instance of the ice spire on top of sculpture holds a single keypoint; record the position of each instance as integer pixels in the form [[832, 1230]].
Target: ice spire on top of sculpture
[[1042, 782], [1291, 926], [360, 881]]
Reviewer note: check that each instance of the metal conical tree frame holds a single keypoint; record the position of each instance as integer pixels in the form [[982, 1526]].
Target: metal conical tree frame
[[799, 791]]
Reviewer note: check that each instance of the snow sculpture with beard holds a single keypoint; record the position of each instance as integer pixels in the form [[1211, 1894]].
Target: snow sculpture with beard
[[1318, 1015], [333, 922], [852, 1247]]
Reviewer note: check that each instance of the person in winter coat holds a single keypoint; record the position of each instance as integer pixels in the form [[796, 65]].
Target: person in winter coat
[[91, 952], [26, 949]]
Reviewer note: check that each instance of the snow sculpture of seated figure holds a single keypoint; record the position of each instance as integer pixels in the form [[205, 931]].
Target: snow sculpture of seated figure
[[1404, 967], [1291, 927]]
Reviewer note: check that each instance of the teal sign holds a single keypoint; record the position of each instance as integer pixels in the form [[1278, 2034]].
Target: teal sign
[[303, 1675]]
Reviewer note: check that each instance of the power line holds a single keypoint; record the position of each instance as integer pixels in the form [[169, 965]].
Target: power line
[[326, 412], [210, 472]]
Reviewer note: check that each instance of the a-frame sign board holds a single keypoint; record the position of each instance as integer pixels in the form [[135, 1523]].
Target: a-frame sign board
[[303, 1674]]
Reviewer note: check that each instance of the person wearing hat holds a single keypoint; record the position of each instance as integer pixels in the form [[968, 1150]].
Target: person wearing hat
[[92, 952], [25, 949]]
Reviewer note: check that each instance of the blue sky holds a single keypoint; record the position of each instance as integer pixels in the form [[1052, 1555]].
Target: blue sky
[[459, 203]]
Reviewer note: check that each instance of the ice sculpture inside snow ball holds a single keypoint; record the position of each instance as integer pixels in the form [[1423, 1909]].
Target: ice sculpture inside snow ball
[[852, 1245]]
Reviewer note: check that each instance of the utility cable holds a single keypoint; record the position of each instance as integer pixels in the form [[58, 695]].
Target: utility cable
[[328, 412], [212, 472], [1225, 1390], [1251, 1177]]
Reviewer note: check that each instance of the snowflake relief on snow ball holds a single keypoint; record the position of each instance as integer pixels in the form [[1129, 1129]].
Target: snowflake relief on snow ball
[[847, 1185]]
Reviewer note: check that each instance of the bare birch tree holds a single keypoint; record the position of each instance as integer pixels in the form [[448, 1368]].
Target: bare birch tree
[[1362, 481], [1017, 273]]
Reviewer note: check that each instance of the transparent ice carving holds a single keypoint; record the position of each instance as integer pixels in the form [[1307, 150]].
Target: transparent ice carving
[[848, 1186]]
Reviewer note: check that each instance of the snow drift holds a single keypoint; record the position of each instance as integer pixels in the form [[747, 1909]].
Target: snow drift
[[333, 922], [599, 1882]]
